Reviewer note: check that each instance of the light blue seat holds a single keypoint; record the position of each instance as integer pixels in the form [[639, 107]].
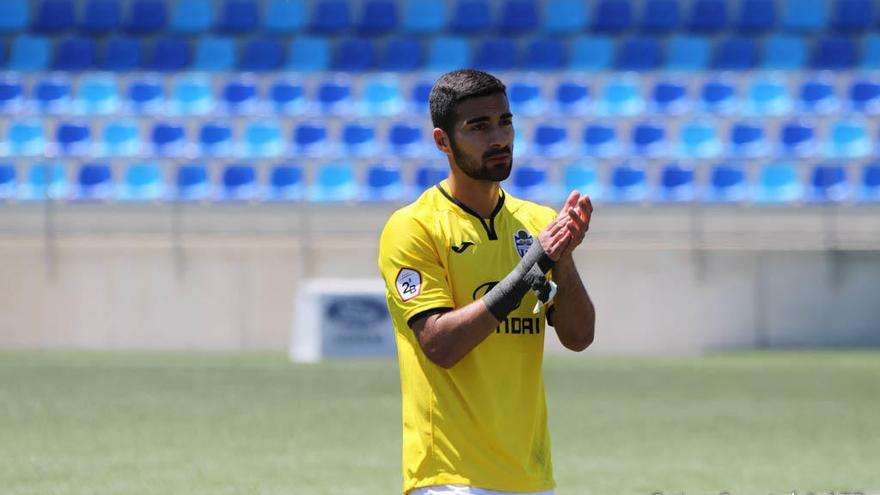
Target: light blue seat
[[192, 16], [447, 53], [424, 16], [46, 181], [600, 140], [94, 182], [215, 139], [779, 183], [471, 17], [677, 184], [240, 183], [334, 182], [29, 54], [192, 182], [310, 139], [8, 181], [383, 183], [26, 138], [381, 96], [406, 140], [727, 183], [572, 98], [687, 53], [285, 183], [849, 139], [591, 53], [629, 183], [748, 140], [308, 54], [192, 95], [565, 17], [621, 98], [798, 139], [285, 16], [142, 182], [263, 140], [829, 183], [525, 98], [74, 138], [121, 139], [769, 97], [804, 15], [784, 52], [699, 140], [98, 94], [530, 182], [871, 51], [551, 141], [359, 139], [52, 95], [584, 178], [215, 54], [14, 16]]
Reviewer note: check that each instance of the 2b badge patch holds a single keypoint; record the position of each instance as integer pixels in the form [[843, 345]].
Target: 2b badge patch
[[522, 239], [408, 283]]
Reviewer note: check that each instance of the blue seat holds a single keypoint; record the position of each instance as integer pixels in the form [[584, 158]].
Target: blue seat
[[769, 97], [240, 182], [756, 16], [779, 182], [402, 54], [798, 139], [98, 95], [525, 98], [427, 176], [735, 53], [29, 54], [45, 181], [334, 97], [829, 183], [804, 15], [11, 95], [52, 95], [660, 16], [381, 96], [94, 181], [639, 54], [748, 140], [677, 183], [649, 140], [192, 16], [870, 185], [784, 52], [670, 97], [852, 16], [849, 139], [14, 16], [354, 55], [565, 17], [871, 51], [383, 183], [864, 96], [168, 139], [727, 182], [53, 16], [699, 140], [308, 54], [359, 140], [687, 53], [285, 183], [26, 138], [287, 96], [8, 181], [378, 17], [545, 54], [263, 140], [121, 55], [601, 141], [310, 139], [240, 96], [817, 96], [621, 98], [708, 16], [215, 54], [518, 17], [471, 17], [572, 97], [121, 139], [496, 54], [330, 16], [424, 17], [334, 182], [530, 183], [192, 182], [583, 177], [285, 16], [192, 95], [146, 16], [261, 55], [612, 16], [629, 183], [215, 139], [239, 16], [101, 16], [405, 140], [834, 53], [420, 93], [169, 55], [146, 95], [551, 141], [75, 54], [591, 53], [74, 139], [142, 182], [447, 53]]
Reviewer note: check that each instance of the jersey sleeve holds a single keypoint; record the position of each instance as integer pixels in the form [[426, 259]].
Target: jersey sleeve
[[414, 275]]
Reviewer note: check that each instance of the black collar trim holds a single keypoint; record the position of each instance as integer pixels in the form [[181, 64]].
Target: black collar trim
[[489, 227]]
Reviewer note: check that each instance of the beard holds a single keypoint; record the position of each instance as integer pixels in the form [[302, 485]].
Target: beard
[[478, 169]]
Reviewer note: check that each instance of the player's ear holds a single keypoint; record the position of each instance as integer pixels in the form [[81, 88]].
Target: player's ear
[[441, 140]]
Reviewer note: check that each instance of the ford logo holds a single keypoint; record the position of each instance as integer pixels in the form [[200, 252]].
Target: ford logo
[[357, 311]]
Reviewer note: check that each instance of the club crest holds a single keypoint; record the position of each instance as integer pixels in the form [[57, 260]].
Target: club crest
[[522, 240]]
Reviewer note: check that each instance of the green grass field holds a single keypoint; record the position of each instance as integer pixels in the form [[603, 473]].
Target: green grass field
[[207, 424]]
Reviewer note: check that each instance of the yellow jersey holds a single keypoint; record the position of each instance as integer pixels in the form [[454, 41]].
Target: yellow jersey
[[483, 422]]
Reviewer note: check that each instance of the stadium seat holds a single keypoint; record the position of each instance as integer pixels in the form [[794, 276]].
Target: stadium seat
[[424, 17], [829, 183], [768, 97], [601, 141], [330, 16], [629, 183], [261, 55], [239, 183], [518, 17], [240, 96], [419, 95], [545, 54], [447, 53], [530, 182], [621, 98], [798, 139], [784, 52], [11, 95], [53, 16], [75, 54], [572, 97], [285, 183], [287, 97], [670, 97], [121, 54], [471, 17], [649, 140], [169, 55], [8, 181], [583, 177], [804, 15], [708, 16], [146, 16], [14, 16], [308, 54], [687, 53], [660, 16], [864, 96], [871, 52], [551, 141], [238, 16], [834, 53], [354, 55], [94, 182], [405, 140], [677, 183], [735, 53], [143, 182], [427, 176], [169, 139], [848, 139], [727, 182], [378, 17], [29, 54], [381, 96], [192, 16], [639, 54], [401, 55], [817, 96], [146, 95], [121, 139], [26, 138], [263, 140], [215, 139], [52, 95], [334, 182], [496, 55], [870, 185], [97, 95], [852, 16], [334, 97], [756, 16], [612, 16], [565, 17], [101, 16], [310, 139], [45, 181], [719, 96], [383, 183], [525, 98], [285, 16], [192, 95], [359, 140], [192, 182], [699, 140], [779, 182], [748, 141], [74, 139], [591, 53], [215, 54]]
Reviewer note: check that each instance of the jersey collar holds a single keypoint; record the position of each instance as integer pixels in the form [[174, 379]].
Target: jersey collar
[[488, 226]]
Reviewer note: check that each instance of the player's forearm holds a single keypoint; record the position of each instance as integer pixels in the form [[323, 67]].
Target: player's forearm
[[574, 317], [449, 337]]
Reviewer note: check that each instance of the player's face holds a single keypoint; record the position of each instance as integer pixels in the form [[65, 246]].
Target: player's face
[[483, 138]]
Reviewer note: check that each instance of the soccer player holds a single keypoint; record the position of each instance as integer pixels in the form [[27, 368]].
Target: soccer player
[[466, 268]]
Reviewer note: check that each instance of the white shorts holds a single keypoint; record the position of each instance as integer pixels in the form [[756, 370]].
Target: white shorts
[[468, 490]]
